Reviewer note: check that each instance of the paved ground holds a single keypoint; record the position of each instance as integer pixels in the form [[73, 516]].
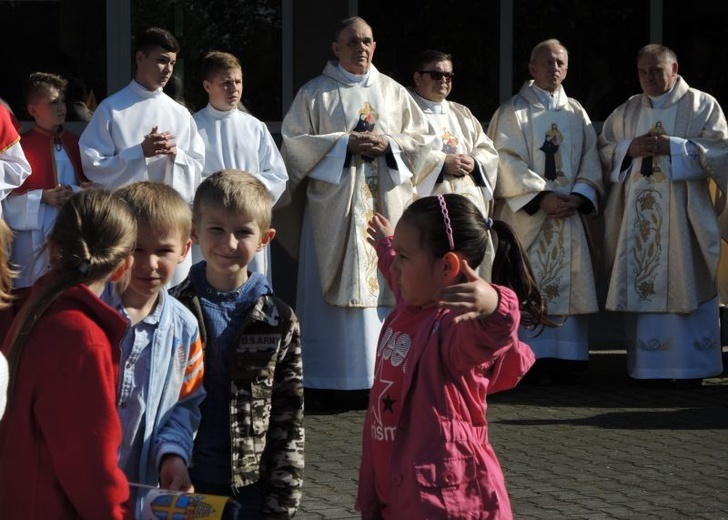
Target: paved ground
[[603, 448]]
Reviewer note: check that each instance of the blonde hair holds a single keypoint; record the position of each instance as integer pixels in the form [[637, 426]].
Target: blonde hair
[[216, 62], [235, 191], [92, 236], [158, 205]]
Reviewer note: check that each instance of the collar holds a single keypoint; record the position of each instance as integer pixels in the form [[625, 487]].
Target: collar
[[555, 100], [143, 91], [220, 114], [430, 107]]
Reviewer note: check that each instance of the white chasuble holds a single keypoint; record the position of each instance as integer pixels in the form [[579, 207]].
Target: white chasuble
[[452, 141], [646, 226], [550, 252]]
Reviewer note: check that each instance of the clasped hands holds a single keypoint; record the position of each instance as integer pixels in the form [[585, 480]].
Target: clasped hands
[[368, 144], [158, 143], [649, 146], [459, 165], [560, 205]]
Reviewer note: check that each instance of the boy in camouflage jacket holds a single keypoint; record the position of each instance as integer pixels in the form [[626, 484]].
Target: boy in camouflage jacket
[[250, 442]]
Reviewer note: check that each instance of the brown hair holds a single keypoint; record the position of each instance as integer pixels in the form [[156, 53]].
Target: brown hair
[[470, 229], [38, 84]]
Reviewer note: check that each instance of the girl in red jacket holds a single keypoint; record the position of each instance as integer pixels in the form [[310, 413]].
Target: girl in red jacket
[[60, 434], [451, 340]]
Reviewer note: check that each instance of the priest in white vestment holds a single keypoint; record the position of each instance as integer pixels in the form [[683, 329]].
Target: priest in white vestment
[[660, 149], [236, 140], [141, 134], [353, 142], [549, 180], [465, 162]]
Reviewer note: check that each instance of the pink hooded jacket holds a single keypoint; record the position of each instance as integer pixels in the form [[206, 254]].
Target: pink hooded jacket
[[443, 465]]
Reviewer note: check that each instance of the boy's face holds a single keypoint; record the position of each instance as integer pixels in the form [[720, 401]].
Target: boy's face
[[225, 89], [155, 68], [228, 242], [49, 109], [157, 254]]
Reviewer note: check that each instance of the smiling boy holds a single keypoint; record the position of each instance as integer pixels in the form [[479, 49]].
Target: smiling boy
[[161, 368], [250, 443]]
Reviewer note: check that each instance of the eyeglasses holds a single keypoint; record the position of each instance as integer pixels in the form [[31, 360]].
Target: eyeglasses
[[437, 75]]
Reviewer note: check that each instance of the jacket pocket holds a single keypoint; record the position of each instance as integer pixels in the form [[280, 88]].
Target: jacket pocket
[[449, 488]]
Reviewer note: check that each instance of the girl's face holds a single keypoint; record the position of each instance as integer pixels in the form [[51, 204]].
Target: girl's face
[[418, 275]]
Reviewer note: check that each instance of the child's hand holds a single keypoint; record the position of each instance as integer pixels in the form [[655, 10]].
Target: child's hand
[[57, 196], [475, 298], [173, 474], [379, 228]]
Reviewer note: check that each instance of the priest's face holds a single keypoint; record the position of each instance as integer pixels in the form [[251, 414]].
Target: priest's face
[[355, 48], [225, 89], [434, 81], [657, 73], [155, 67], [549, 67]]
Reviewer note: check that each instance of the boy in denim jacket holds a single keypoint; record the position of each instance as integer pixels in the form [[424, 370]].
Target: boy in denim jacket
[[161, 368]]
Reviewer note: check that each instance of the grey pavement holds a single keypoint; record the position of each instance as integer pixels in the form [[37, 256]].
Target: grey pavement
[[603, 448]]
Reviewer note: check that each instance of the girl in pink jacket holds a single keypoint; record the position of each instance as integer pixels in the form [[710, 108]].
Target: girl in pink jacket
[[451, 340]]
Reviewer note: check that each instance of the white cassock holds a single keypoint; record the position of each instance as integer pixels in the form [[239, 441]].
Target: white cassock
[[459, 132], [14, 167], [111, 146], [32, 221], [341, 299], [548, 143], [662, 243], [236, 140]]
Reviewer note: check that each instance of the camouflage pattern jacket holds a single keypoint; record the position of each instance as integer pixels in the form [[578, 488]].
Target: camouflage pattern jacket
[[266, 401]]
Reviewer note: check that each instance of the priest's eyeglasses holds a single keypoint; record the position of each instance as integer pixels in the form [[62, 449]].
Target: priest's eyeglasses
[[438, 75]]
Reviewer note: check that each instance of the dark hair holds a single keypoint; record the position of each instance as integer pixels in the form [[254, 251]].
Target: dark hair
[[152, 37], [91, 237], [659, 50], [428, 56], [38, 84], [470, 230]]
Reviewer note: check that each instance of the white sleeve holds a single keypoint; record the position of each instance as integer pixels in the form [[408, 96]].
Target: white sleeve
[[14, 168]]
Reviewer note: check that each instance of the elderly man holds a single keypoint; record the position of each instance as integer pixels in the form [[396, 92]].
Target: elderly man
[[660, 149], [353, 141], [549, 176], [466, 161]]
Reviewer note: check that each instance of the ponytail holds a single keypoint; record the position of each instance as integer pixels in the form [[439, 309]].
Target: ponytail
[[512, 269], [91, 237]]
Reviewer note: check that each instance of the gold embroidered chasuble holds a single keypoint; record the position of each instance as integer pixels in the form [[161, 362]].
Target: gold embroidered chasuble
[[325, 110], [548, 150], [661, 236], [459, 132]]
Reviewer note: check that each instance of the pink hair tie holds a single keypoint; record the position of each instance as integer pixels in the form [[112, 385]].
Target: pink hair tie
[[448, 225]]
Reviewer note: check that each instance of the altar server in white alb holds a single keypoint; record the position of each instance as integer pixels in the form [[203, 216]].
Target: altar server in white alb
[[549, 177], [466, 161], [14, 166], [140, 133], [236, 140], [353, 141], [660, 149]]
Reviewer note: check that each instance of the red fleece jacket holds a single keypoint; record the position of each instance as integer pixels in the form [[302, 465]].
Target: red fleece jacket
[[60, 434]]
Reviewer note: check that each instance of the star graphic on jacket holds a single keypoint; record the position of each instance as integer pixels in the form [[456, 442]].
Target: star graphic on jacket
[[388, 403]]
